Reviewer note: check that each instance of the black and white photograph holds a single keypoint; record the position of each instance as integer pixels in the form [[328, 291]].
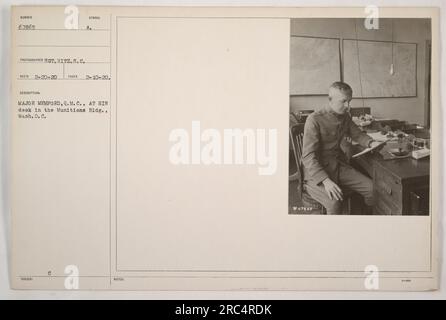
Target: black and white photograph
[[360, 111]]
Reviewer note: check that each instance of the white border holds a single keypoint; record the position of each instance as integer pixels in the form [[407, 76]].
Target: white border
[[7, 293]]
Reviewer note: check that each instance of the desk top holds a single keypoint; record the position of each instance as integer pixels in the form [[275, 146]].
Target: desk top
[[405, 168]]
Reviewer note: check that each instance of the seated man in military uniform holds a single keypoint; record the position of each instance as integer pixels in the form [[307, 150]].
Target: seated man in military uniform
[[327, 173]]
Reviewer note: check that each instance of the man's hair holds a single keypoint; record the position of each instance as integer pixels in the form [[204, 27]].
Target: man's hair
[[343, 87]]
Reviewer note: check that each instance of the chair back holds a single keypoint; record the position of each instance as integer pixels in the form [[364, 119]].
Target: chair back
[[297, 137]]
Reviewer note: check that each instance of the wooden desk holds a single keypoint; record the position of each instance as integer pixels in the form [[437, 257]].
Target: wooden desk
[[401, 186]]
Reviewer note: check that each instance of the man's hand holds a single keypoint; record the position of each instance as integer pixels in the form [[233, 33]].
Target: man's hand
[[333, 190]]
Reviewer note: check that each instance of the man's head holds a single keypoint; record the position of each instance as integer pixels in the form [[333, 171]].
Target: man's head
[[339, 97]]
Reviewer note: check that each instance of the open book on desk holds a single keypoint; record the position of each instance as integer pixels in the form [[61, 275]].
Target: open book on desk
[[367, 150]]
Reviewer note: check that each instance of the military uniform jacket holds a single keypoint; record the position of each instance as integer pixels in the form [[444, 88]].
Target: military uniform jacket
[[324, 132]]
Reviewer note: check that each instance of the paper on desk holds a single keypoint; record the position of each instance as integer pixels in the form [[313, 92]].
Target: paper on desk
[[368, 150], [378, 136]]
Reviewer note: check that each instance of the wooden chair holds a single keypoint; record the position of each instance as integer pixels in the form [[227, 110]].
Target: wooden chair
[[296, 137], [301, 115]]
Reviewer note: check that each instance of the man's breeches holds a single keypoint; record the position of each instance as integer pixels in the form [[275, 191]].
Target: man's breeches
[[349, 179]]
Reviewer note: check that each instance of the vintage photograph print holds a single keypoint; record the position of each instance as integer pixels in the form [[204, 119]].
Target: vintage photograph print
[[360, 116]]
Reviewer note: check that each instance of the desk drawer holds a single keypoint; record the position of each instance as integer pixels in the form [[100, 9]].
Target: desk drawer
[[388, 188], [382, 206]]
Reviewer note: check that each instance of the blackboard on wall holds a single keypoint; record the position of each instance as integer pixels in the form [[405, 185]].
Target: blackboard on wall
[[314, 65], [367, 66]]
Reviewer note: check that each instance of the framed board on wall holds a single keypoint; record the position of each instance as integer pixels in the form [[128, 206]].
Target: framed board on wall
[[315, 63], [367, 68]]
